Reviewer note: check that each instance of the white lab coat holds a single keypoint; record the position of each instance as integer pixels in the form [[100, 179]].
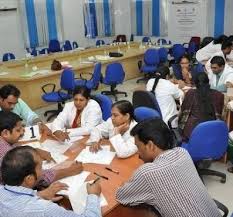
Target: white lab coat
[[227, 76], [166, 92], [91, 116], [206, 52], [124, 145]]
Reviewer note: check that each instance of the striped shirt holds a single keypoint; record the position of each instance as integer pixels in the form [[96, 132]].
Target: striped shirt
[[171, 184], [48, 175], [23, 202]]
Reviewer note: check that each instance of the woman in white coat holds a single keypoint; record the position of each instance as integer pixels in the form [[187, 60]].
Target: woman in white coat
[[117, 129], [79, 116]]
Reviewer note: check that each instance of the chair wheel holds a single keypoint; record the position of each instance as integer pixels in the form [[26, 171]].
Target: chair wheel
[[223, 180]]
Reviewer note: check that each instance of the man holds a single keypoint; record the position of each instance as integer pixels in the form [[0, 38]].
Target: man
[[221, 74], [168, 180], [226, 49], [10, 132], [21, 168]]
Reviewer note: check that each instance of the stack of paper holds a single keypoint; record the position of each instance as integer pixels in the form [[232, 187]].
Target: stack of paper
[[104, 156]]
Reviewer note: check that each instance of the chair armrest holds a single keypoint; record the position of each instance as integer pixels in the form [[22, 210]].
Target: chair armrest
[[59, 93], [139, 65], [47, 85], [171, 119], [222, 207]]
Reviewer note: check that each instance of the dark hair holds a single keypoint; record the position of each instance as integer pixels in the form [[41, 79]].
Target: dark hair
[[161, 72], [204, 97], [230, 38], [8, 90], [220, 39], [155, 130], [125, 107], [219, 60], [83, 90], [226, 44], [8, 120], [17, 164], [186, 56]]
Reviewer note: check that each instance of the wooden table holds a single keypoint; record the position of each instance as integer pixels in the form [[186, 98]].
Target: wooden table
[[30, 87]]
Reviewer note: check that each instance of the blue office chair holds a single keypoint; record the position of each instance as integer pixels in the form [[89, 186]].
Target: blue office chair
[[94, 81], [105, 104], [114, 75], [163, 53], [151, 61], [208, 141], [67, 85], [142, 113], [34, 52], [44, 51], [8, 56], [146, 39], [67, 46], [99, 42], [178, 51], [75, 45], [162, 40], [54, 46]]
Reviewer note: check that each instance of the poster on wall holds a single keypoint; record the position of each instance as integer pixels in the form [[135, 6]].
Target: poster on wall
[[185, 20]]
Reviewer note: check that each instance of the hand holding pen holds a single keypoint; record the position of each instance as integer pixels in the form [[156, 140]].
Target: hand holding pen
[[94, 187]]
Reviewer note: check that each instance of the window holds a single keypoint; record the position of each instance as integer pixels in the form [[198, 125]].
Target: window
[[149, 17], [41, 21], [98, 18]]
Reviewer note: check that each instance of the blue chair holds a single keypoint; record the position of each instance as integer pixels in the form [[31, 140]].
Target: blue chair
[[67, 85], [151, 61], [75, 45], [114, 75], [163, 53], [93, 83], [208, 141], [142, 113], [99, 42], [67, 46], [8, 56], [54, 46], [34, 52], [178, 51], [146, 39], [44, 51], [105, 104], [162, 40]]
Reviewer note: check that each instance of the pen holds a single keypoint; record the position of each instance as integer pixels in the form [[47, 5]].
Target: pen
[[110, 169], [101, 176], [97, 179]]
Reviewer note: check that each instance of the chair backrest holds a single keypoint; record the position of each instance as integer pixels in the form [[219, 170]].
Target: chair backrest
[[192, 48], [151, 57], [34, 52], [96, 76], [75, 45], [162, 40], [105, 104], [114, 74], [67, 45], [163, 53], [54, 46], [44, 51], [146, 99], [196, 40], [146, 39], [178, 51], [121, 38], [142, 113], [209, 140], [8, 56], [99, 42], [67, 81]]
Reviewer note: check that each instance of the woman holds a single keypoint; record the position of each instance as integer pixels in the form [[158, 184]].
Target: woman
[[166, 92], [80, 116], [117, 129], [199, 105]]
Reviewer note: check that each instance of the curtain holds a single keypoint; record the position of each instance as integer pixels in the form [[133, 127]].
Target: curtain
[[98, 18]]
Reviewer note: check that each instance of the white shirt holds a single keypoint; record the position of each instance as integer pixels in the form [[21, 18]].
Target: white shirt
[[166, 92], [124, 145], [91, 116], [206, 52], [226, 76]]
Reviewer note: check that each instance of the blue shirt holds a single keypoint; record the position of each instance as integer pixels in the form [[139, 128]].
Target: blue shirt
[[17, 201]]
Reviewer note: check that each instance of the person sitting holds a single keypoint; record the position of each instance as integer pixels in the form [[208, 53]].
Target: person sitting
[[117, 129], [225, 51], [199, 105], [11, 130], [221, 74], [80, 116], [168, 180], [21, 169], [166, 92]]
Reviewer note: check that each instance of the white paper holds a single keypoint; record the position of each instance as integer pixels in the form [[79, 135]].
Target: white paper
[[28, 134], [78, 198], [104, 156], [4, 73], [55, 146], [33, 144], [73, 182]]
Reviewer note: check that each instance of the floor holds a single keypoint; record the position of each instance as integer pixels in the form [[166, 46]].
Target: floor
[[219, 191]]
